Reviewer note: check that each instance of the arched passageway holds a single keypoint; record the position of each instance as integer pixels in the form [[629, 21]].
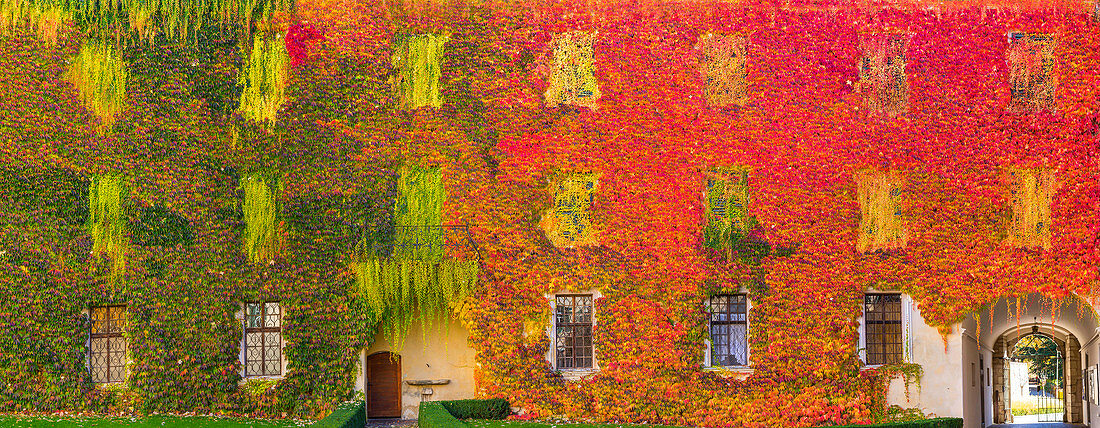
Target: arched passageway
[[1006, 335]]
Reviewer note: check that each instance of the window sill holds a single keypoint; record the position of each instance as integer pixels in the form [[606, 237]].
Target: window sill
[[246, 379], [577, 374], [877, 366], [735, 371]]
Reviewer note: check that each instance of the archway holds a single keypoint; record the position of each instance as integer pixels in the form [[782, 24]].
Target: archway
[[1036, 378], [990, 339]]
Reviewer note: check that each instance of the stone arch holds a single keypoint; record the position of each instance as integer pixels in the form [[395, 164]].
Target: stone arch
[[1068, 346]]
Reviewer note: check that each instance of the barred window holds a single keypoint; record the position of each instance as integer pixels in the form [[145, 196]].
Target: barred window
[[882, 328], [107, 345], [729, 330], [573, 331], [263, 351]]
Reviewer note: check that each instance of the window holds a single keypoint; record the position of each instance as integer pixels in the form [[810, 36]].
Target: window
[[727, 198], [568, 223], [729, 330], [882, 80], [263, 351], [1032, 191], [572, 77], [416, 61], [723, 67], [1031, 72], [883, 329], [107, 344], [573, 323], [880, 222]]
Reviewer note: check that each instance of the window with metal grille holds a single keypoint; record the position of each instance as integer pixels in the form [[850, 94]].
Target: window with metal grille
[[883, 336], [573, 331], [263, 350], [107, 345], [729, 329]]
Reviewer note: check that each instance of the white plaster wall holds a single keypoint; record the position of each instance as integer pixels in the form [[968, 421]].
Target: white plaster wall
[[972, 416], [1090, 350], [941, 389], [442, 354]]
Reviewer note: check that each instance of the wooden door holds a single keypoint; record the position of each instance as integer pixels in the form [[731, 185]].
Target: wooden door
[[383, 385]]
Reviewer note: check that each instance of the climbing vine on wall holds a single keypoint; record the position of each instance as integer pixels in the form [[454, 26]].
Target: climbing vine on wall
[[108, 200], [99, 75]]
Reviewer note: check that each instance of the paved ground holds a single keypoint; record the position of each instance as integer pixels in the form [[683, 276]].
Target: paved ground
[[1039, 425], [383, 423], [1031, 419]]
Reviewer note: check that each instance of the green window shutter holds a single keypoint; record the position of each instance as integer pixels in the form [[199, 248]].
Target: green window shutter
[[727, 202], [263, 234], [416, 60], [420, 205]]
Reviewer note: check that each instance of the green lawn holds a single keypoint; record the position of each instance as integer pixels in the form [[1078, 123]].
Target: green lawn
[[144, 422], [485, 423]]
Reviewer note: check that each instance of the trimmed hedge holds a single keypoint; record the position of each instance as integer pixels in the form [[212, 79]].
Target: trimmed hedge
[[494, 408], [434, 415], [347, 415], [925, 423]]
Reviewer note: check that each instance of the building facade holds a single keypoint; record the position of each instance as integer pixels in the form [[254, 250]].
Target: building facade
[[690, 214]]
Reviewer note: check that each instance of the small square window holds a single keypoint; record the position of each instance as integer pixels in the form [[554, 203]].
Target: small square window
[[723, 67], [1031, 72], [572, 75], [568, 223], [883, 83]]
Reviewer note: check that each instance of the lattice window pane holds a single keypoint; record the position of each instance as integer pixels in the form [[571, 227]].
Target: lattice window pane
[[729, 330], [573, 331]]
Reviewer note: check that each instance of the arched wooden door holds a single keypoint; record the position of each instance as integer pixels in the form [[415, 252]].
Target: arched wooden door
[[383, 385]]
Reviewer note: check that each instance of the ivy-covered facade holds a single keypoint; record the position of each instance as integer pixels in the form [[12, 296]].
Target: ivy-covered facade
[[696, 215]]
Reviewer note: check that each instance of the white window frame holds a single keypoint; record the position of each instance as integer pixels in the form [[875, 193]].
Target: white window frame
[[551, 332], [906, 327], [748, 330], [242, 347]]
